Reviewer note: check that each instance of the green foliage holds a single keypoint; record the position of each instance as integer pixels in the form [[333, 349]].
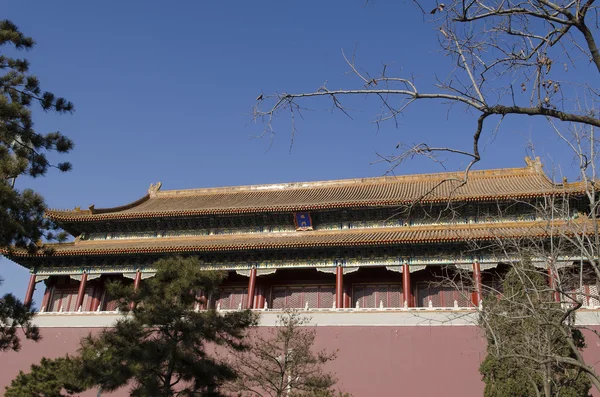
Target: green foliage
[[160, 346], [51, 378], [283, 363], [23, 150], [527, 339], [15, 317]]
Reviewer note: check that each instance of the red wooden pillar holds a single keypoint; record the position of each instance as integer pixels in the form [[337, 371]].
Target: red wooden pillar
[[202, 300], [30, 290], [339, 287], [477, 294], [406, 288], [136, 286], [46, 300], [96, 298], [251, 286], [259, 301], [552, 283], [81, 292], [347, 303]]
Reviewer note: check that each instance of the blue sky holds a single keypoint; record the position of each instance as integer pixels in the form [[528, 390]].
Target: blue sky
[[163, 92]]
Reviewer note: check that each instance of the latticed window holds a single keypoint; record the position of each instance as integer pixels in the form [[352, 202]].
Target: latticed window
[[587, 293], [87, 299], [373, 296], [295, 298], [442, 295], [63, 298], [232, 298], [315, 296]]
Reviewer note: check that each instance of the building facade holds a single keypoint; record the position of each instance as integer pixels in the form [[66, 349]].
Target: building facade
[[367, 259]]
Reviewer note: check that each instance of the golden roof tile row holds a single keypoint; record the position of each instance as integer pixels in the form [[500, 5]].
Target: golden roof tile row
[[484, 185], [310, 239]]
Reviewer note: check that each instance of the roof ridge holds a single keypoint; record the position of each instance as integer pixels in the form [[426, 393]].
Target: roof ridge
[[497, 172], [525, 181]]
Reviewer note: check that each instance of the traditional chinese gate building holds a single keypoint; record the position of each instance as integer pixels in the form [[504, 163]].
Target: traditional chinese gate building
[[337, 249]]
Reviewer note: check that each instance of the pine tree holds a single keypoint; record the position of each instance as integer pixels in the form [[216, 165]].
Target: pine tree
[[51, 378], [528, 340], [15, 317], [283, 363], [23, 152], [160, 346]]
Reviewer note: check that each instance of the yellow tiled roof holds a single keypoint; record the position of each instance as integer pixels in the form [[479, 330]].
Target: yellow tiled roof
[[506, 183], [337, 238]]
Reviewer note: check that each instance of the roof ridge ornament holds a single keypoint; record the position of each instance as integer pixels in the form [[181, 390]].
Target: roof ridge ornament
[[534, 163], [153, 189]]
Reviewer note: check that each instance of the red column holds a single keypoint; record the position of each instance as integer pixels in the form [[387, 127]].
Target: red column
[[406, 289], [137, 280], [46, 300], [347, 303], [136, 286], [339, 287], [260, 298], [477, 294], [30, 290], [96, 298], [202, 301], [552, 283], [251, 286], [81, 292]]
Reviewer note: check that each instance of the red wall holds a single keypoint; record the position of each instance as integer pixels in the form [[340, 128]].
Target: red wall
[[372, 360]]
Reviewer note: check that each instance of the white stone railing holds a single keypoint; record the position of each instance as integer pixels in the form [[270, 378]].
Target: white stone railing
[[430, 308], [318, 317]]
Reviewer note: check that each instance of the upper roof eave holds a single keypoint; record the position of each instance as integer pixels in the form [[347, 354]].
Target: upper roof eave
[[505, 183]]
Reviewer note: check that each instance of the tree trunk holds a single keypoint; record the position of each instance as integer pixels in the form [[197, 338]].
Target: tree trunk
[[547, 386]]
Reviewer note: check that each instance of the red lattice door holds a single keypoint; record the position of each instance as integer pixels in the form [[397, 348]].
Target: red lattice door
[[65, 298], [300, 297], [442, 296], [377, 295], [232, 298], [587, 293], [326, 296]]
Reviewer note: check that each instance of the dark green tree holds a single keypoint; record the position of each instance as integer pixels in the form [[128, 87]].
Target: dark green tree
[[283, 363], [50, 378], [15, 318], [160, 347], [23, 152], [532, 350]]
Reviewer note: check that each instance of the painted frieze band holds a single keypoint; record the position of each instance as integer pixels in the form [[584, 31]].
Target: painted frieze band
[[327, 265]]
